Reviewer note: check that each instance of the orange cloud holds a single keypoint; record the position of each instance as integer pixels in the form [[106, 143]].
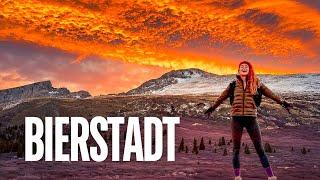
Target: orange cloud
[[279, 36]]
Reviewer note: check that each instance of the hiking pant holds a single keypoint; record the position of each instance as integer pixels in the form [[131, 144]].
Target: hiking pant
[[251, 124]]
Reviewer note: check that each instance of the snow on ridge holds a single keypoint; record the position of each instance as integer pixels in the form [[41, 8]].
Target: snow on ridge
[[215, 85]]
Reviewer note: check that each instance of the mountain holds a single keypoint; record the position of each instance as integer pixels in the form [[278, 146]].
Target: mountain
[[196, 81], [168, 79], [36, 90]]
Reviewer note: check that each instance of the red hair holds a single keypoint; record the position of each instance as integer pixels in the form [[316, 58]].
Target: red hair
[[252, 80]]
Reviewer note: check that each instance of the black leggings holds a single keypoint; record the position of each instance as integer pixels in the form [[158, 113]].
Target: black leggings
[[251, 124]]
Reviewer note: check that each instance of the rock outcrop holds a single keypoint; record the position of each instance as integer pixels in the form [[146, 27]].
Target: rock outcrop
[[38, 89]]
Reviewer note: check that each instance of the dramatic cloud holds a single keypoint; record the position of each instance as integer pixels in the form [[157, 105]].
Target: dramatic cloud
[[312, 3], [302, 34], [228, 3], [277, 36], [23, 63], [260, 18]]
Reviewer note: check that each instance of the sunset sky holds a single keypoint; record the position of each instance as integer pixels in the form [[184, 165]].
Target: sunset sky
[[109, 46]]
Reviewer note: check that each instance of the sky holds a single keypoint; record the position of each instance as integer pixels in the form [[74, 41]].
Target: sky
[[108, 46]]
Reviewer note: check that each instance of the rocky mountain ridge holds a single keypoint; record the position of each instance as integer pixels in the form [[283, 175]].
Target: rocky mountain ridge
[[36, 90]]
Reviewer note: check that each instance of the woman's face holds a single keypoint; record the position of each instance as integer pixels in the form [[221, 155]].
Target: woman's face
[[244, 69]]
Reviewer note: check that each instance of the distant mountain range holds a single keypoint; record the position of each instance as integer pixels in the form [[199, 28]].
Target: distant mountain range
[[37, 90], [196, 81], [176, 82]]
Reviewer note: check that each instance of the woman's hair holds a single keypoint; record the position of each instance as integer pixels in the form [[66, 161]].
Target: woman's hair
[[252, 79]]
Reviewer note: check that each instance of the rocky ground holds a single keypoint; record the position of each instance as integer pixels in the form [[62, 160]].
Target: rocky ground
[[287, 133]]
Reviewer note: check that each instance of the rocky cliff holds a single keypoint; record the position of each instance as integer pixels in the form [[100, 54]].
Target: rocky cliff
[[38, 89]]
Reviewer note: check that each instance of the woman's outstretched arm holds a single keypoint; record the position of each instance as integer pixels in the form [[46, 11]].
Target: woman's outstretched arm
[[268, 93], [224, 95]]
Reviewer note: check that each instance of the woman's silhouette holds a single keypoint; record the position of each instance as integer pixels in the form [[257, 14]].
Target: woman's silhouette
[[244, 113]]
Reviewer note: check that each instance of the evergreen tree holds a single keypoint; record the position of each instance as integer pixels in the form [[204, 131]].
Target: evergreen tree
[[225, 152], [181, 146], [202, 146], [303, 150], [20, 150], [246, 149], [186, 149], [268, 148], [195, 147], [222, 141], [209, 141]]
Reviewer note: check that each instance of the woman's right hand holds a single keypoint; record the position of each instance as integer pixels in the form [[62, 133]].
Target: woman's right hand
[[209, 111], [286, 105]]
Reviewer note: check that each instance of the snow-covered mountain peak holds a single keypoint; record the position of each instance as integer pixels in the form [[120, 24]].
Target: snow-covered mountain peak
[[196, 81]]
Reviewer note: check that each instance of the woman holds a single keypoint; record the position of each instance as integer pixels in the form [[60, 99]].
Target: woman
[[244, 113]]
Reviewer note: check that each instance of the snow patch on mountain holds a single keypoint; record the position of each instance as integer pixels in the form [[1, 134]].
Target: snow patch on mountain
[[195, 81]]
